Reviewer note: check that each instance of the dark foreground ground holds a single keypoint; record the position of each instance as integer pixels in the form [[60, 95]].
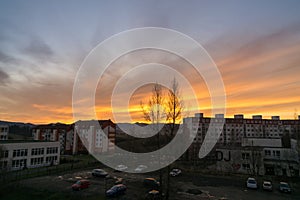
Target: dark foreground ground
[[58, 187]]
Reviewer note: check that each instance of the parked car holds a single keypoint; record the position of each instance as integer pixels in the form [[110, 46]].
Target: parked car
[[81, 184], [151, 183], [153, 195], [267, 185], [140, 168], [251, 183], [175, 172], [118, 181], [121, 168], [284, 187], [116, 190], [99, 173]]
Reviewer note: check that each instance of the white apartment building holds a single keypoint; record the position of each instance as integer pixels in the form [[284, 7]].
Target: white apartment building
[[16, 155], [237, 128], [4, 132], [91, 135]]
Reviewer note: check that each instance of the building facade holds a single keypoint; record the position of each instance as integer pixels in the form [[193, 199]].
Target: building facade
[[267, 137], [97, 135], [62, 133], [4, 132], [80, 137], [260, 157], [17, 155]]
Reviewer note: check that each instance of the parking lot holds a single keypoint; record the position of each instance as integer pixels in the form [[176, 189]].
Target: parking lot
[[185, 186]]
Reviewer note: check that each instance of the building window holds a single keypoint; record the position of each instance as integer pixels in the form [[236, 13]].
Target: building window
[[278, 154], [37, 161], [19, 163], [37, 151], [267, 152], [4, 154], [52, 150], [20, 152], [51, 159], [245, 156]]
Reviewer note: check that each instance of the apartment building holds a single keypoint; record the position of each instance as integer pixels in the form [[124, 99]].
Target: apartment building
[[16, 155], [4, 132], [241, 139], [97, 135], [79, 137], [238, 127], [62, 133]]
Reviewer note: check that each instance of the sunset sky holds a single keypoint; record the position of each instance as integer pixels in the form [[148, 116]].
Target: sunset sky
[[255, 45]]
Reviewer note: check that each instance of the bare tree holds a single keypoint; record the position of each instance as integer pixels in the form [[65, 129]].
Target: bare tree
[[174, 109], [154, 112], [174, 106], [162, 107]]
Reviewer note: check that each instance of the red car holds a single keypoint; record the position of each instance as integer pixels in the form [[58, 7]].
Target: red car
[[81, 184]]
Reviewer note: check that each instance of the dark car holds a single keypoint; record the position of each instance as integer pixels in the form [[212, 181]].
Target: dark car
[[284, 187], [151, 183], [81, 184], [99, 173], [116, 190], [153, 195]]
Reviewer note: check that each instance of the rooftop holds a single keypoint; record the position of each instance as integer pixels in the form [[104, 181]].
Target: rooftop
[[22, 141]]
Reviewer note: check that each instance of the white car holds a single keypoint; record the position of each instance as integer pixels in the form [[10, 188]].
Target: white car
[[121, 168], [140, 168], [175, 172], [267, 185], [99, 173], [251, 183]]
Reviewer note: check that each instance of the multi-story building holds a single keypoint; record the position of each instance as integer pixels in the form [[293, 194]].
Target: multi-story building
[[79, 137], [16, 155], [4, 132], [237, 128], [267, 134], [91, 135], [62, 133]]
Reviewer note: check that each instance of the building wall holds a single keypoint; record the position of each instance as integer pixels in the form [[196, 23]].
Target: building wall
[[237, 128], [243, 161], [62, 133], [259, 160], [20, 155], [4, 129], [98, 136]]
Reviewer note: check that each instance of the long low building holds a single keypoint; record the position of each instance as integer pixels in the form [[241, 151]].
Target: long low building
[[260, 156], [16, 155]]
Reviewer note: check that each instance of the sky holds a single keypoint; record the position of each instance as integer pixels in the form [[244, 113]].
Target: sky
[[255, 45]]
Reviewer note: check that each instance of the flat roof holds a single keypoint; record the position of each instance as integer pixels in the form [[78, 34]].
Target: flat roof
[[22, 141]]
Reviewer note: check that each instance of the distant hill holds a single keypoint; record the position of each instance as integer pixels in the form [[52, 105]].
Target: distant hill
[[16, 124], [18, 128]]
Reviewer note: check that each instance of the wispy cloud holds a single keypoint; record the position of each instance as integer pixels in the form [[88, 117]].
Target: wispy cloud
[[4, 77], [40, 50]]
